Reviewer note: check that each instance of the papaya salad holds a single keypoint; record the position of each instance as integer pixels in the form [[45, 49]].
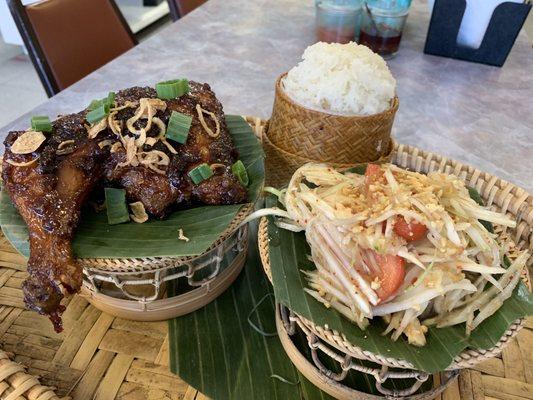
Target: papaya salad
[[413, 249]]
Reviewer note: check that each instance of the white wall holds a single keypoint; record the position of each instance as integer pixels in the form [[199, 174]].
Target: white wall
[[8, 29]]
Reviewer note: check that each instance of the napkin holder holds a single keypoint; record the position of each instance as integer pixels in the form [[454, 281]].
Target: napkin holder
[[504, 26]]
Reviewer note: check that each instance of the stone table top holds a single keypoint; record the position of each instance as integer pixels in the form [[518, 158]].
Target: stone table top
[[474, 113]]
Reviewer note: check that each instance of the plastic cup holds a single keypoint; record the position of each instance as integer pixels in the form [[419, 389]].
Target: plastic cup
[[382, 26], [338, 21]]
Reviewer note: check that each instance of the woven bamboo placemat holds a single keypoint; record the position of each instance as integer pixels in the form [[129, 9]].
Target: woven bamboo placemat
[[102, 357]]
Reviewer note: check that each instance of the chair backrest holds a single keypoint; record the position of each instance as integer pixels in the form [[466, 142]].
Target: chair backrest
[[178, 8], [68, 39]]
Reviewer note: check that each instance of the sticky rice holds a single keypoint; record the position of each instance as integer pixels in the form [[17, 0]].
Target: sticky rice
[[346, 79]]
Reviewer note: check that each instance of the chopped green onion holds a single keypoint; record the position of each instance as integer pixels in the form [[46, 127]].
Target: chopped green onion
[[117, 210], [171, 89], [239, 170], [200, 173], [41, 123], [178, 127], [98, 113], [94, 105], [109, 100]]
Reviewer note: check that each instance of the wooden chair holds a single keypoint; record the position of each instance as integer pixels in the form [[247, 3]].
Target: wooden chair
[[68, 39], [179, 8]]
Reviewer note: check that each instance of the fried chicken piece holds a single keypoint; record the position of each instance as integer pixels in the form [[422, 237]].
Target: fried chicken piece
[[49, 193], [49, 196], [159, 193]]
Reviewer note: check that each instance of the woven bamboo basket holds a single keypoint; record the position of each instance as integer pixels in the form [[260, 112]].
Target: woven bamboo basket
[[136, 288], [324, 137], [498, 194], [143, 295], [281, 164], [330, 382], [15, 382]]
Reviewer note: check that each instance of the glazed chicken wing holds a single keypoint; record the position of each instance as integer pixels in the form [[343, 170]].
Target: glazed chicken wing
[[126, 149]]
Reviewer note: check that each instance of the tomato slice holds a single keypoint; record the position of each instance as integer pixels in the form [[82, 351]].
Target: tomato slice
[[391, 274], [409, 231], [373, 173], [391, 268]]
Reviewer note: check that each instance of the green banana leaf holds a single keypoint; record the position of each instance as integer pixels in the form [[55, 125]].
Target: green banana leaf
[[217, 351], [289, 258], [95, 238]]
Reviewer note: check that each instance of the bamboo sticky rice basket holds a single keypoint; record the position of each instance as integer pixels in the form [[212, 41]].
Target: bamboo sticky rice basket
[[282, 164], [324, 137], [99, 356]]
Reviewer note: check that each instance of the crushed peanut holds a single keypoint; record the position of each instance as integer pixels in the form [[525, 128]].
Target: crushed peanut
[[375, 284]]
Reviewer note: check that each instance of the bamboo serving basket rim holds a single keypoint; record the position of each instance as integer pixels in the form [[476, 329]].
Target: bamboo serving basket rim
[[280, 89], [169, 307], [495, 191], [334, 387], [138, 265]]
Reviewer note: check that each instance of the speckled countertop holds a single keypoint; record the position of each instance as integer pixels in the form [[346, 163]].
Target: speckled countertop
[[474, 113]]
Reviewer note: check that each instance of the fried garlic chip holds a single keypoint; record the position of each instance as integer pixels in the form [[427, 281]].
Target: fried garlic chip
[[139, 213], [28, 142]]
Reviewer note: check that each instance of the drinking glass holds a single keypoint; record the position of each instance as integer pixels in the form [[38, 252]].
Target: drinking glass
[[382, 25], [338, 21]]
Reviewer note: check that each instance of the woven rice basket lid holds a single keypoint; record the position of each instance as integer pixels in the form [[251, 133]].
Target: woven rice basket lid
[[497, 193]]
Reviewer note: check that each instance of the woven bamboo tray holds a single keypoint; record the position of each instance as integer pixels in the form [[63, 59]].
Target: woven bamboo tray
[[103, 357], [500, 195], [331, 386]]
